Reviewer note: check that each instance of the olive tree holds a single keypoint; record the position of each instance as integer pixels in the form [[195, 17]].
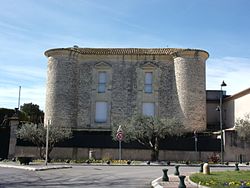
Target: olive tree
[[148, 131], [36, 133], [242, 127]]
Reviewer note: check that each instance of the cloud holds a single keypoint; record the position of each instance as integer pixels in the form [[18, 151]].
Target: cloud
[[233, 70], [34, 94], [31, 78], [24, 72]]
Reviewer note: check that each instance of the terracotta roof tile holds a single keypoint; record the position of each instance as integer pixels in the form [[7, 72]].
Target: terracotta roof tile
[[124, 51]]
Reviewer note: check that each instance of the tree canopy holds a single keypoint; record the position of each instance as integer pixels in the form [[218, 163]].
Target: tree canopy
[[32, 112], [149, 131], [36, 133], [242, 126]]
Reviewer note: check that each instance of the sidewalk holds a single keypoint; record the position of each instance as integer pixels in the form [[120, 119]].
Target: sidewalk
[[33, 167]]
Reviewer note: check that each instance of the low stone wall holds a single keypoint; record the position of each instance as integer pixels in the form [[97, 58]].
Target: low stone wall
[[106, 153], [235, 148]]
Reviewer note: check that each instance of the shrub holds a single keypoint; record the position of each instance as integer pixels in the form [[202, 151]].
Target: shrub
[[214, 158]]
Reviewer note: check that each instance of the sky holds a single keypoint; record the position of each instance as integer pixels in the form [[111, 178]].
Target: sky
[[30, 27]]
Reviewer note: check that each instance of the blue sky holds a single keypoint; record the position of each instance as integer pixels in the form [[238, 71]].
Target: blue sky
[[30, 27]]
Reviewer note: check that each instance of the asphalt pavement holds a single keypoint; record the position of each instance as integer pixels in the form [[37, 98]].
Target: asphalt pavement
[[91, 176]]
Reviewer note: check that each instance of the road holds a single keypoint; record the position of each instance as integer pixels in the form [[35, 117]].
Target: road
[[89, 176]]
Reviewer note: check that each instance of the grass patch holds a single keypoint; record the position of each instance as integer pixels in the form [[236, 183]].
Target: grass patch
[[222, 179]]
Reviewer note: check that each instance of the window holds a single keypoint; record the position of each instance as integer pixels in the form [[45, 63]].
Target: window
[[101, 112], [148, 109], [148, 87], [102, 80]]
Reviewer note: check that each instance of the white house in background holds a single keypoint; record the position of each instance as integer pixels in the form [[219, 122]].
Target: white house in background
[[236, 106]]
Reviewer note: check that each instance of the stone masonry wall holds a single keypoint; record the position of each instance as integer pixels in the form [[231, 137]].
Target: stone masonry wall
[[178, 88]]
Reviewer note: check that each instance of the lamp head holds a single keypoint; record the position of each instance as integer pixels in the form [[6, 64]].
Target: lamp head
[[223, 84], [217, 108]]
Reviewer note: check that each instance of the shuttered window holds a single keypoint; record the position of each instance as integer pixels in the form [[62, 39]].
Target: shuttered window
[[101, 112], [102, 80], [148, 109], [148, 82]]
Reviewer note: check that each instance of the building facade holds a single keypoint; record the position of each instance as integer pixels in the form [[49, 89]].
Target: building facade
[[89, 88]]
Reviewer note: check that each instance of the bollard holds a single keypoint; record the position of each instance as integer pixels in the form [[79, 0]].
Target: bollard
[[201, 167], [177, 173], [237, 167], [182, 183], [206, 168], [165, 174], [91, 155]]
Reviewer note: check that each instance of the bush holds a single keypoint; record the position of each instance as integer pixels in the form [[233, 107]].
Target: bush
[[24, 160], [214, 158]]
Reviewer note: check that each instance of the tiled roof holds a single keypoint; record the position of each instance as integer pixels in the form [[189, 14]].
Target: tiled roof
[[128, 51], [125, 51]]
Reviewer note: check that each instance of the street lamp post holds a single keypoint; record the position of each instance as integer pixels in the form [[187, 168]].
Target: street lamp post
[[223, 84]]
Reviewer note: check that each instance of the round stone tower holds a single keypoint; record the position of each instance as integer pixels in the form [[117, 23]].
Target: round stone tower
[[191, 88], [61, 90]]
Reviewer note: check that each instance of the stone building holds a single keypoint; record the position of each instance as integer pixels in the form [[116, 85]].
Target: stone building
[[89, 88]]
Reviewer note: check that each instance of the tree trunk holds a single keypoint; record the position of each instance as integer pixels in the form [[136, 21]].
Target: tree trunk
[[155, 150]]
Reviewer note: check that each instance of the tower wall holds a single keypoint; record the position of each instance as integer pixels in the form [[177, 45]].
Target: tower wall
[[191, 88], [61, 89]]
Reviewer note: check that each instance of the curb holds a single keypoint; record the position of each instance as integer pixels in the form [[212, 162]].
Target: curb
[[155, 183], [39, 168]]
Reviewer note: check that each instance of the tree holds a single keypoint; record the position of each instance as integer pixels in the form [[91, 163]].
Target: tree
[[36, 133], [149, 131], [242, 127], [6, 113], [32, 112]]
